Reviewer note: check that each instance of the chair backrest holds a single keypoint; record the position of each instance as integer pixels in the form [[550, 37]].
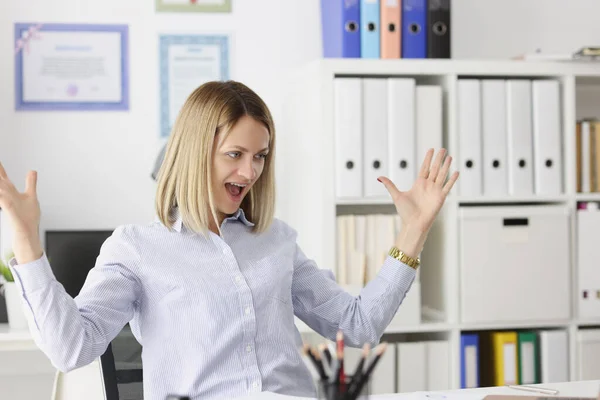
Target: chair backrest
[[122, 368], [72, 253]]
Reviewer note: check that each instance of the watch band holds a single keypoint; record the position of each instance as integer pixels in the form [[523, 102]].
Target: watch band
[[402, 257]]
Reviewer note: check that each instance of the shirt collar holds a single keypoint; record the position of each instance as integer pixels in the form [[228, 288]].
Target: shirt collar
[[238, 216]]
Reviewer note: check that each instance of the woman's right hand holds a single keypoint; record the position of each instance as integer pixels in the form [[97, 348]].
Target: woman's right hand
[[23, 211]]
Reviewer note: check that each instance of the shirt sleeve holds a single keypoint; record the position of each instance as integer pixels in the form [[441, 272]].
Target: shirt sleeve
[[73, 332], [327, 308]]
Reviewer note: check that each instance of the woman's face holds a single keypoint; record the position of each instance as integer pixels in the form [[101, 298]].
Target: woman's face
[[238, 162]]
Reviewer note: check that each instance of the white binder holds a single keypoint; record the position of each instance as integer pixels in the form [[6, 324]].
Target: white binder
[[429, 120], [493, 115], [401, 132], [383, 380], [588, 348], [375, 136], [348, 137], [469, 147], [438, 365], [554, 356], [412, 367], [588, 231], [520, 137], [547, 137]]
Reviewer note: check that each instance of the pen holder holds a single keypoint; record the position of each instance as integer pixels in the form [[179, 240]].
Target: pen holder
[[327, 390]]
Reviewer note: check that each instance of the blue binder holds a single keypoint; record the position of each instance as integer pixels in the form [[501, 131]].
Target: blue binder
[[466, 341], [369, 28], [340, 25], [414, 28]]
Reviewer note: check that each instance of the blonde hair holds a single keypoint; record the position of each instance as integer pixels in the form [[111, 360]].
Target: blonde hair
[[184, 178]]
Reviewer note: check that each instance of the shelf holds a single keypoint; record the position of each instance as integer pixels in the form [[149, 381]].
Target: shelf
[[314, 92], [514, 325], [422, 328], [587, 196], [474, 200], [509, 199], [365, 201], [584, 71], [592, 323]]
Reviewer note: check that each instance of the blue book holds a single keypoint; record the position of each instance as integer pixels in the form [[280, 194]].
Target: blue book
[[469, 361], [414, 28], [340, 24], [369, 28]]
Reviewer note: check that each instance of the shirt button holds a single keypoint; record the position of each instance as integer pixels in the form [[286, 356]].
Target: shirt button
[[248, 348], [255, 385], [247, 310], [226, 251], [238, 278]]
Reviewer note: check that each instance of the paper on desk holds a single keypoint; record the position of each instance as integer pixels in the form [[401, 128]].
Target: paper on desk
[[437, 395], [271, 396]]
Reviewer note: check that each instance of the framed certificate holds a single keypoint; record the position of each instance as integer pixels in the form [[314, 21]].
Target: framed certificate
[[186, 62], [194, 5], [71, 67]]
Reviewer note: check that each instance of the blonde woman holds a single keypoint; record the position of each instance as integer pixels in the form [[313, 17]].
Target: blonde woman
[[211, 287]]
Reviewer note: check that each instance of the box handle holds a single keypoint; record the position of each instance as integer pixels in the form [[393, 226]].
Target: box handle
[[515, 221]]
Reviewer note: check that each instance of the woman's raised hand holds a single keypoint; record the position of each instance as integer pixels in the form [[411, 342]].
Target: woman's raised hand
[[23, 212]]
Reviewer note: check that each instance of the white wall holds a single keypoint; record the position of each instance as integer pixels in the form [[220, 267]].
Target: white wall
[[94, 166]]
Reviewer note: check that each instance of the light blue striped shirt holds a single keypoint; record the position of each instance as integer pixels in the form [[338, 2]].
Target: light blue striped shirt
[[215, 315]]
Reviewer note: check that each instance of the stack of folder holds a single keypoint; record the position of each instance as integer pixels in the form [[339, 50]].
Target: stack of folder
[[514, 358], [510, 140], [387, 29], [383, 126]]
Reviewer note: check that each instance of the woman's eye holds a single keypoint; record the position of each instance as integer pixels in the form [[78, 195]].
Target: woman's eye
[[234, 154], [263, 156]]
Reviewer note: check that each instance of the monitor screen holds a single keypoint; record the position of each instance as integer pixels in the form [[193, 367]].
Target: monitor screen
[[72, 254]]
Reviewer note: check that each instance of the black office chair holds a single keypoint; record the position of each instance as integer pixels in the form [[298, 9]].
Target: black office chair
[[122, 368]]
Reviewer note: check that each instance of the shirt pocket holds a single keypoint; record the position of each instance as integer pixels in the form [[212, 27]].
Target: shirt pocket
[[270, 277]]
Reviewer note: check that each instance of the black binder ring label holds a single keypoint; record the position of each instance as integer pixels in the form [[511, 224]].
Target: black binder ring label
[[351, 26], [415, 28]]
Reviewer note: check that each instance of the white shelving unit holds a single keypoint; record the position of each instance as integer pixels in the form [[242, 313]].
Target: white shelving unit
[[307, 155]]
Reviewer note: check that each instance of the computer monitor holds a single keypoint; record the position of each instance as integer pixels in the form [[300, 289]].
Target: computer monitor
[[72, 253]]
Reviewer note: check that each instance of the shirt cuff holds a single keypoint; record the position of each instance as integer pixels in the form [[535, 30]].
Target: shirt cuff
[[397, 272], [33, 275]]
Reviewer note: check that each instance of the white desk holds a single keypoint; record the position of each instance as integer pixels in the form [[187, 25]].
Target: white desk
[[15, 340], [566, 389], [29, 362], [25, 372]]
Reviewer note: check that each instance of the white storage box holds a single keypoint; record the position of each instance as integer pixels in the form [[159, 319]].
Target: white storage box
[[514, 263]]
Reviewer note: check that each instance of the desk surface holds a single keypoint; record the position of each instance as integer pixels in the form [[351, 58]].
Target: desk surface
[[566, 389], [10, 335]]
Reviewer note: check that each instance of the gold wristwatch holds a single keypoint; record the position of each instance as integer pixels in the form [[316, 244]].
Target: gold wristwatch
[[400, 256]]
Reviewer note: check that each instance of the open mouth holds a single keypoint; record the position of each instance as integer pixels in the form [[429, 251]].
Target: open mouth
[[235, 190]]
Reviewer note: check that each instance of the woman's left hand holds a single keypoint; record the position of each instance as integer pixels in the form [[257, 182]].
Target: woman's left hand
[[419, 206]]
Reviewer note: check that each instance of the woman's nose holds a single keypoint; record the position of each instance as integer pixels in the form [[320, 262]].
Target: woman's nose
[[247, 171]]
